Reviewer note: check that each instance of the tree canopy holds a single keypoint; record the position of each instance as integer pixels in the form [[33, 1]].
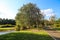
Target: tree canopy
[[29, 15]]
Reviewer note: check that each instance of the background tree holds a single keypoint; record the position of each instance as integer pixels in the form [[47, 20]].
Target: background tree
[[52, 20], [7, 21], [58, 20], [57, 23]]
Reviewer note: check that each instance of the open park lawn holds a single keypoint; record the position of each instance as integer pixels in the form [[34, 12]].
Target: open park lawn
[[26, 35]]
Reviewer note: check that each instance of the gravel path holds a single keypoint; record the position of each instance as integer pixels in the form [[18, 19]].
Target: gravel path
[[1, 33], [54, 34]]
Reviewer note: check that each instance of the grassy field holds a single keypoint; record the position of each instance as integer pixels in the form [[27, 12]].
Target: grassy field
[[6, 29], [7, 25], [27, 35]]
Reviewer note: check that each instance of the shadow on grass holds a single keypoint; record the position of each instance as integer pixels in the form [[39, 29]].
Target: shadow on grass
[[24, 36]]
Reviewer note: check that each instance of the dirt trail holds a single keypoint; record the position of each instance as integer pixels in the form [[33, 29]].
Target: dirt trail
[[55, 34]]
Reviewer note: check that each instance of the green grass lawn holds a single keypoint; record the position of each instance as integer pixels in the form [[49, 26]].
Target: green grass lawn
[[6, 29], [26, 35]]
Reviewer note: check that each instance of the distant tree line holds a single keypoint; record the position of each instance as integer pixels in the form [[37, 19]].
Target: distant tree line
[[7, 21]]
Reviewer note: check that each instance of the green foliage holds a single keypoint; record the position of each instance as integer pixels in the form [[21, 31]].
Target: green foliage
[[28, 15], [56, 28], [57, 21], [7, 21], [17, 28]]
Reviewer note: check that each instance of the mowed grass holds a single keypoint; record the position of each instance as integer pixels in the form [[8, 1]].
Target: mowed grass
[[26, 35], [6, 29]]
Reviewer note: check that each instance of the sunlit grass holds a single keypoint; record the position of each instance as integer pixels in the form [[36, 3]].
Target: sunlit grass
[[6, 29]]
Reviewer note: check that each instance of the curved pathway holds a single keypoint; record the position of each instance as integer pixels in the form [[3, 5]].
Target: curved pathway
[[54, 34], [1, 33]]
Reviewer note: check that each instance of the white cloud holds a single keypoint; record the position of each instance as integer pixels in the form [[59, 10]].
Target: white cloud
[[48, 12], [5, 11]]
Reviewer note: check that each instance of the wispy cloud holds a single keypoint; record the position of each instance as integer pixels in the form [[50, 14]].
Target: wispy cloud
[[48, 12]]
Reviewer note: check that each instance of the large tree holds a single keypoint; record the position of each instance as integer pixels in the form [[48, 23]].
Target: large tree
[[28, 15]]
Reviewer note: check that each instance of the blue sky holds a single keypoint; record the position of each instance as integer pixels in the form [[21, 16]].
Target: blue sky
[[9, 8]]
